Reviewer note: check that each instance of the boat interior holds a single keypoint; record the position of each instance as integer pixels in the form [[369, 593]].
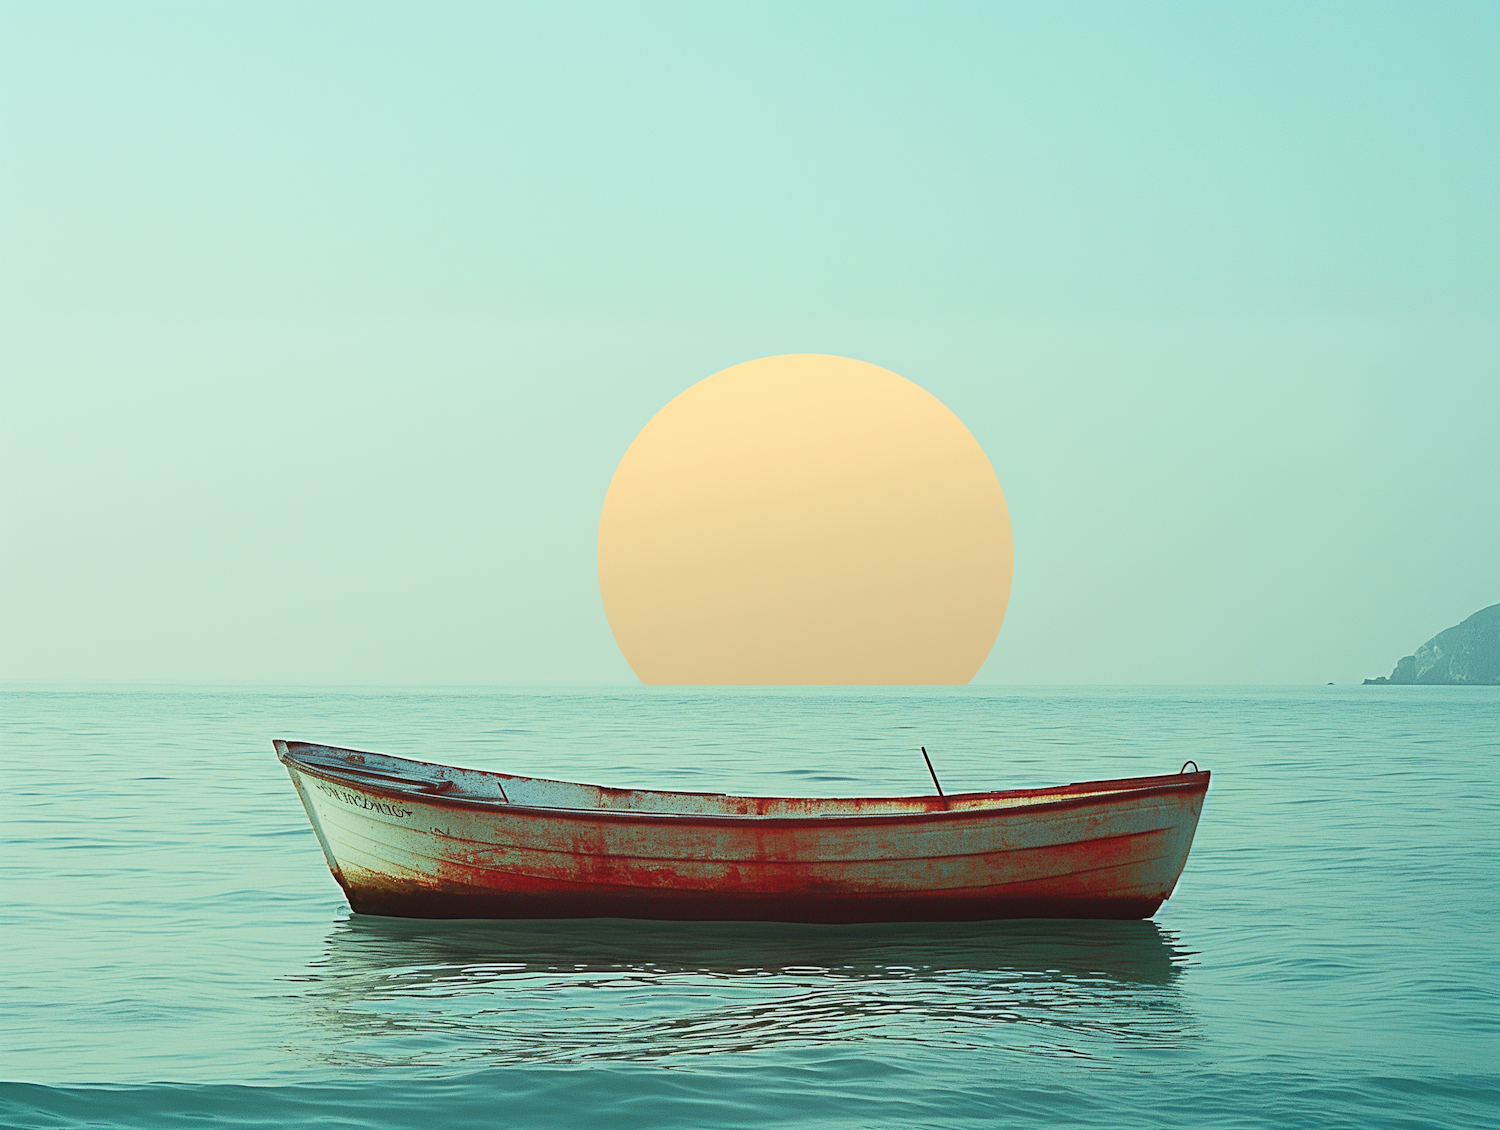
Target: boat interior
[[446, 783]]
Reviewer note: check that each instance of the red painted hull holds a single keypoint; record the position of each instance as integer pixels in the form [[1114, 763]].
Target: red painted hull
[[412, 839]]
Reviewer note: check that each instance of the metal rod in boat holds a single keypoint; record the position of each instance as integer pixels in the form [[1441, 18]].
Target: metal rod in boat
[[929, 770]]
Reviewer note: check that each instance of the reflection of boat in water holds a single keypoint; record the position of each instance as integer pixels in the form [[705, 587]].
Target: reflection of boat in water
[[414, 839], [391, 991], [1127, 952]]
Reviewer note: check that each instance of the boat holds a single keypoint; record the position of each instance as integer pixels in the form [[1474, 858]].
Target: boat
[[415, 839]]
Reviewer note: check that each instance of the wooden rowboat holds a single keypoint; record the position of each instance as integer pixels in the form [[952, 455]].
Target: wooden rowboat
[[418, 840]]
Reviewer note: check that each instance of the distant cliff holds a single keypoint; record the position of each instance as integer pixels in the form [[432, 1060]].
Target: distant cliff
[[1465, 654]]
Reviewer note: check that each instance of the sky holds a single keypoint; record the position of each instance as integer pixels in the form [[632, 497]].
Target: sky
[[323, 327]]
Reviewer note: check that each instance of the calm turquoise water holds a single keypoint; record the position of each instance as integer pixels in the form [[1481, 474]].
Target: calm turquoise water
[[175, 952]]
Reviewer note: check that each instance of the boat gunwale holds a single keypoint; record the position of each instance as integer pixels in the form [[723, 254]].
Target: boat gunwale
[[934, 807]]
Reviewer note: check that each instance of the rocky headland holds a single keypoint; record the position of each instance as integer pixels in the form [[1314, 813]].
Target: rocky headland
[[1466, 654]]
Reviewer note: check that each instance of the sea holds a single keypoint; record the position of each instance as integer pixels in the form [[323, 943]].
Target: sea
[[174, 953]]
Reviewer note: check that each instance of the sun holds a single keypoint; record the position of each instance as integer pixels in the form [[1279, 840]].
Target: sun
[[805, 519]]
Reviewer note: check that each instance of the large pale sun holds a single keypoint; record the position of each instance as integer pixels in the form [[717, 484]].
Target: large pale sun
[[805, 519]]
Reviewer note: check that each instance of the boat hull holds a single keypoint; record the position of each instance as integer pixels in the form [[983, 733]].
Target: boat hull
[[1114, 851], [395, 899]]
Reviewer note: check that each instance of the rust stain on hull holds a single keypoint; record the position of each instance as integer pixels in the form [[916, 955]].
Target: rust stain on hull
[[412, 839]]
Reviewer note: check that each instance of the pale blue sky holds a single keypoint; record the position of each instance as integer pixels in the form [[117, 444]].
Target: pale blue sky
[[325, 325]]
